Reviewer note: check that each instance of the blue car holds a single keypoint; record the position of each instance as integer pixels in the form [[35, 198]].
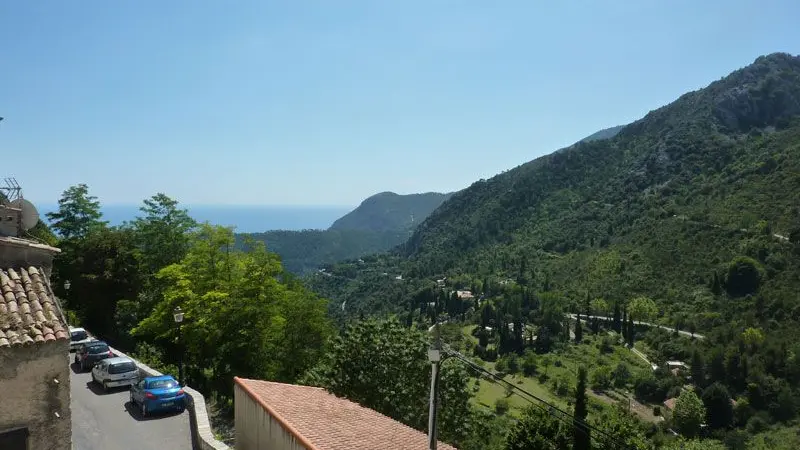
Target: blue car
[[158, 394]]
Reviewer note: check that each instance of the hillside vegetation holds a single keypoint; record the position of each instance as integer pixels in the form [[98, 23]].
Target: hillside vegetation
[[378, 224], [606, 133], [662, 206], [691, 209], [388, 211]]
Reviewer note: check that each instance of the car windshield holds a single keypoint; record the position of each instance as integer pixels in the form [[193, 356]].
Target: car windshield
[[161, 384], [79, 335], [127, 366], [97, 349]]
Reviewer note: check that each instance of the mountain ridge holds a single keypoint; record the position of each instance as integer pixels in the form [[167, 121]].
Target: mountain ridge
[[549, 220], [381, 222], [388, 211]]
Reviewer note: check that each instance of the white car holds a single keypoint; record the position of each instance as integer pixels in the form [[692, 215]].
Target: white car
[[78, 336], [115, 372]]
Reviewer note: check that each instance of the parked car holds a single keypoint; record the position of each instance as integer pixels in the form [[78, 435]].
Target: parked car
[[115, 372], [88, 354], [158, 394], [78, 337]]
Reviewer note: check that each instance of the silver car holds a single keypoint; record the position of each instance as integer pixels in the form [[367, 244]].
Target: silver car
[[115, 372], [78, 336]]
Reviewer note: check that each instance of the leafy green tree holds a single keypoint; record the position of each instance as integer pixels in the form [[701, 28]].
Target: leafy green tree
[[753, 338], [642, 308], [102, 269], [689, 413], [43, 233], [621, 375], [620, 429], [744, 276], [78, 213], [537, 429], [384, 366], [601, 378], [581, 437], [599, 307], [501, 406], [529, 363], [242, 315], [162, 233], [719, 410]]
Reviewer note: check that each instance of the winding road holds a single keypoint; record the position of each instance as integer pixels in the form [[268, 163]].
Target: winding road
[[106, 421], [646, 324]]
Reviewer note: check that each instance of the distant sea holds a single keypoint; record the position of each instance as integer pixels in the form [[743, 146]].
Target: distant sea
[[246, 219]]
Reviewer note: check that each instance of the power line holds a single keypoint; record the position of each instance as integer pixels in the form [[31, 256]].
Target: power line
[[549, 408], [540, 403]]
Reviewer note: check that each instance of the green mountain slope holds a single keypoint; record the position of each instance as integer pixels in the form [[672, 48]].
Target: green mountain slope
[[655, 210], [380, 223], [607, 133], [388, 211]]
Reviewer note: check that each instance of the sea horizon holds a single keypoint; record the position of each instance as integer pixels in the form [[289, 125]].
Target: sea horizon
[[245, 218]]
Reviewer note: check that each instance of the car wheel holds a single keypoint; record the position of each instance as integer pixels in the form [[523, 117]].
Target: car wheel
[[105, 386], [132, 402], [76, 359], [144, 410]]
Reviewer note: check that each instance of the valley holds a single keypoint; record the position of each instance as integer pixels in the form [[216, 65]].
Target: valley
[[637, 289]]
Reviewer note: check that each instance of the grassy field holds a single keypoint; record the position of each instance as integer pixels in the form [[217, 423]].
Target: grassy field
[[560, 369]]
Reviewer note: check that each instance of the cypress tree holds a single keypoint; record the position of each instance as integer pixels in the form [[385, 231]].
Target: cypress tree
[[581, 439], [631, 331], [624, 327], [617, 316], [578, 329]]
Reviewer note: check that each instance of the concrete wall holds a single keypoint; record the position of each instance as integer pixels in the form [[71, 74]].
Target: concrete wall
[[30, 397], [15, 252], [256, 429], [202, 436]]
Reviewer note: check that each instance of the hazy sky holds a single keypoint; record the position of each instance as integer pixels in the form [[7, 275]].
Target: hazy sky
[[326, 102]]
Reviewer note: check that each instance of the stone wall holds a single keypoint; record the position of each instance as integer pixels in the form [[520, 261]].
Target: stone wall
[[34, 385]]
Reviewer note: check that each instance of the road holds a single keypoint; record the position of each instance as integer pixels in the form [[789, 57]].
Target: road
[[646, 324], [103, 421]]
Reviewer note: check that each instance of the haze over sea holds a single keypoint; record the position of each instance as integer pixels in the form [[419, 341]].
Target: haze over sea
[[246, 219]]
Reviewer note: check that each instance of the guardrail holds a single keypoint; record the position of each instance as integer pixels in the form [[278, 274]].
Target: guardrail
[[202, 436]]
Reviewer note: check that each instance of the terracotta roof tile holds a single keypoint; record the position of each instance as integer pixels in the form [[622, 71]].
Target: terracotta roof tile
[[327, 422], [28, 310]]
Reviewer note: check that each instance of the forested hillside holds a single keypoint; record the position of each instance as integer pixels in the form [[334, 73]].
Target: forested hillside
[[691, 210], [388, 211], [606, 133], [672, 198], [378, 224]]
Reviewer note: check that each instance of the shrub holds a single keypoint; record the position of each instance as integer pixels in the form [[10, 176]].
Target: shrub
[[501, 406]]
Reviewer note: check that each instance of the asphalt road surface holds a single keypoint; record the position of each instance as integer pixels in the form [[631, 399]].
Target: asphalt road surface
[[106, 421]]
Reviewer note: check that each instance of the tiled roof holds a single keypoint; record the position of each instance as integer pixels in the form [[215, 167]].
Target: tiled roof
[[322, 421], [28, 312]]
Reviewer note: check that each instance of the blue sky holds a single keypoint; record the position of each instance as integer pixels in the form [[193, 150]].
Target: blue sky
[[320, 102]]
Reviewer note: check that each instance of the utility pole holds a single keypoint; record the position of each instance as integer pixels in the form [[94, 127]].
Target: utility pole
[[435, 357]]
